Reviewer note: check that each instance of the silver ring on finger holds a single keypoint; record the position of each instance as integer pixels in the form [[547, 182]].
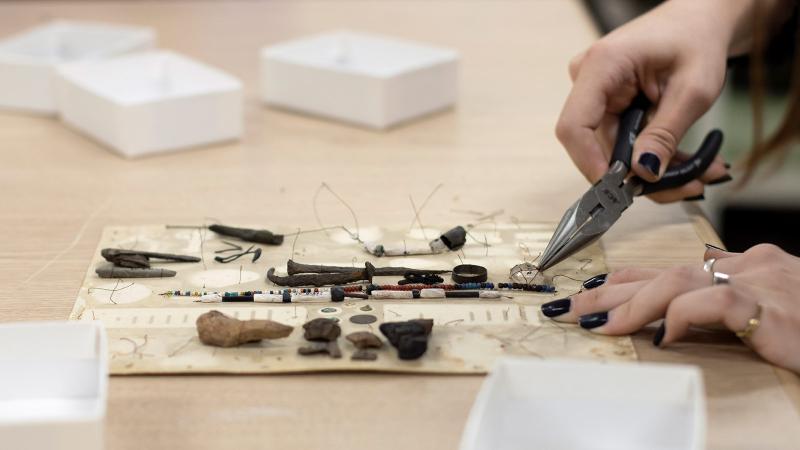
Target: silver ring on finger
[[708, 265], [720, 278]]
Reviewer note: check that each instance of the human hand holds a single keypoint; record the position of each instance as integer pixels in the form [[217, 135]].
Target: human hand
[[675, 54], [762, 278]]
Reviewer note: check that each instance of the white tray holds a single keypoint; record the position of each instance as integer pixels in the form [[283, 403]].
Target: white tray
[[528, 403], [53, 385]]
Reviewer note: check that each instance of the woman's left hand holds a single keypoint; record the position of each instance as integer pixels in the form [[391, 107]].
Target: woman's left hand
[[764, 284]]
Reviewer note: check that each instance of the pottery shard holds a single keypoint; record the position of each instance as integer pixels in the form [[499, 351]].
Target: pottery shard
[[364, 339], [364, 355], [331, 348], [321, 329], [215, 328]]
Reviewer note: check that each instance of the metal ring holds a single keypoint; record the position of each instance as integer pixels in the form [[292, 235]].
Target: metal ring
[[708, 266], [752, 325], [720, 278], [469, 273]]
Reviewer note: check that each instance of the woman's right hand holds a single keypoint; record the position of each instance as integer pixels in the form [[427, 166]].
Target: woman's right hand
[[675, 54]]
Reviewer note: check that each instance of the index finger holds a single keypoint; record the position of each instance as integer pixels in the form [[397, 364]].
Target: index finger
[[583, 113]]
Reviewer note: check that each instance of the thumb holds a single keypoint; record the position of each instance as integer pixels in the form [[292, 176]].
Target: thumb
[[680, 105]]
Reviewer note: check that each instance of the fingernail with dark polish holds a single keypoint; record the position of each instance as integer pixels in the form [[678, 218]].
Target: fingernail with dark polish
[[695, 198], [595, 281], [595, 320], [659, 336], [556, 307], [709, 246], [650, 162], [723, 179]]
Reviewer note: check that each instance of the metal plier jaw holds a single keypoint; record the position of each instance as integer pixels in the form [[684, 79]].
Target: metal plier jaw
[[591, 216], [602, 205]]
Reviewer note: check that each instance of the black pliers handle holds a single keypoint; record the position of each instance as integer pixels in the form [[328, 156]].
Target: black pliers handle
[[631, 124]]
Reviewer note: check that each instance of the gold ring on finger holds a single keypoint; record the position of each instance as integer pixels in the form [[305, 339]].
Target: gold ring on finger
[[752, 325]]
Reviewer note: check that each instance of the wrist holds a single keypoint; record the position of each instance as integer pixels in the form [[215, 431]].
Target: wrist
[[734, 20]]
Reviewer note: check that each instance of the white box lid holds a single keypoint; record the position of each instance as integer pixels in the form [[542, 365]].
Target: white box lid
[[149, 76], [63, 41], [359, 53]]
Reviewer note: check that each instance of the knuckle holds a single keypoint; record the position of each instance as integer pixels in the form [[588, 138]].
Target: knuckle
[[725, 296], [621, 276], [564, 130], [575, 65], [701, 96], [764, 252], [601, 50], [621, 320], [679, 274], [585, 300], [661, 138]]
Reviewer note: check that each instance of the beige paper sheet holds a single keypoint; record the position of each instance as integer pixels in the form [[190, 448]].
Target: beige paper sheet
[[151, 333]]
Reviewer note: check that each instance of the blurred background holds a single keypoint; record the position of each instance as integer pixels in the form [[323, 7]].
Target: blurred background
[[767, 209]]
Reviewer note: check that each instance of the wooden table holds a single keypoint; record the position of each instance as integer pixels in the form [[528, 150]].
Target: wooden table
[[495, 150]]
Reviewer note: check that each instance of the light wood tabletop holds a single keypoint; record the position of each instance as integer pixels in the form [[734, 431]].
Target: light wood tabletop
[[495, 150]]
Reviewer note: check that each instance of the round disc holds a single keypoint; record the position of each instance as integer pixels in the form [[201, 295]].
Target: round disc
[[363, 319]]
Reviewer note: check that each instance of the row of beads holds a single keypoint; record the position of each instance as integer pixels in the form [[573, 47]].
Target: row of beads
[[527, 287], [305, 291], [411, 287]]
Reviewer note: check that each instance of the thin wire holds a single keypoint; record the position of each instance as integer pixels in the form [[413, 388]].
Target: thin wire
[[325, 186], [294, 242], [486, 244], [418, 220], [113, 291], [425, 203], [567, 276]]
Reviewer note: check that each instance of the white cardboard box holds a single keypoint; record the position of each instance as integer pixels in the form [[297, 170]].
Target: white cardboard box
[[359, 78], [53, 385], [528, 403], [150, 102], [28, 60]]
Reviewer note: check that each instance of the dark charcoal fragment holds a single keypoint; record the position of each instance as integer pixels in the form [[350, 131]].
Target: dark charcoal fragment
[[410, 338], [321, 329], [426, 323], [394, 330], [412, 346]]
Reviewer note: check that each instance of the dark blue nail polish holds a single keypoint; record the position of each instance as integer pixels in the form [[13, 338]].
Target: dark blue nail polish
[[709, 246], [695, 198], [650, 162], [595, 281], [556, 307], [594, 320], [723, 179], [659, 336]]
